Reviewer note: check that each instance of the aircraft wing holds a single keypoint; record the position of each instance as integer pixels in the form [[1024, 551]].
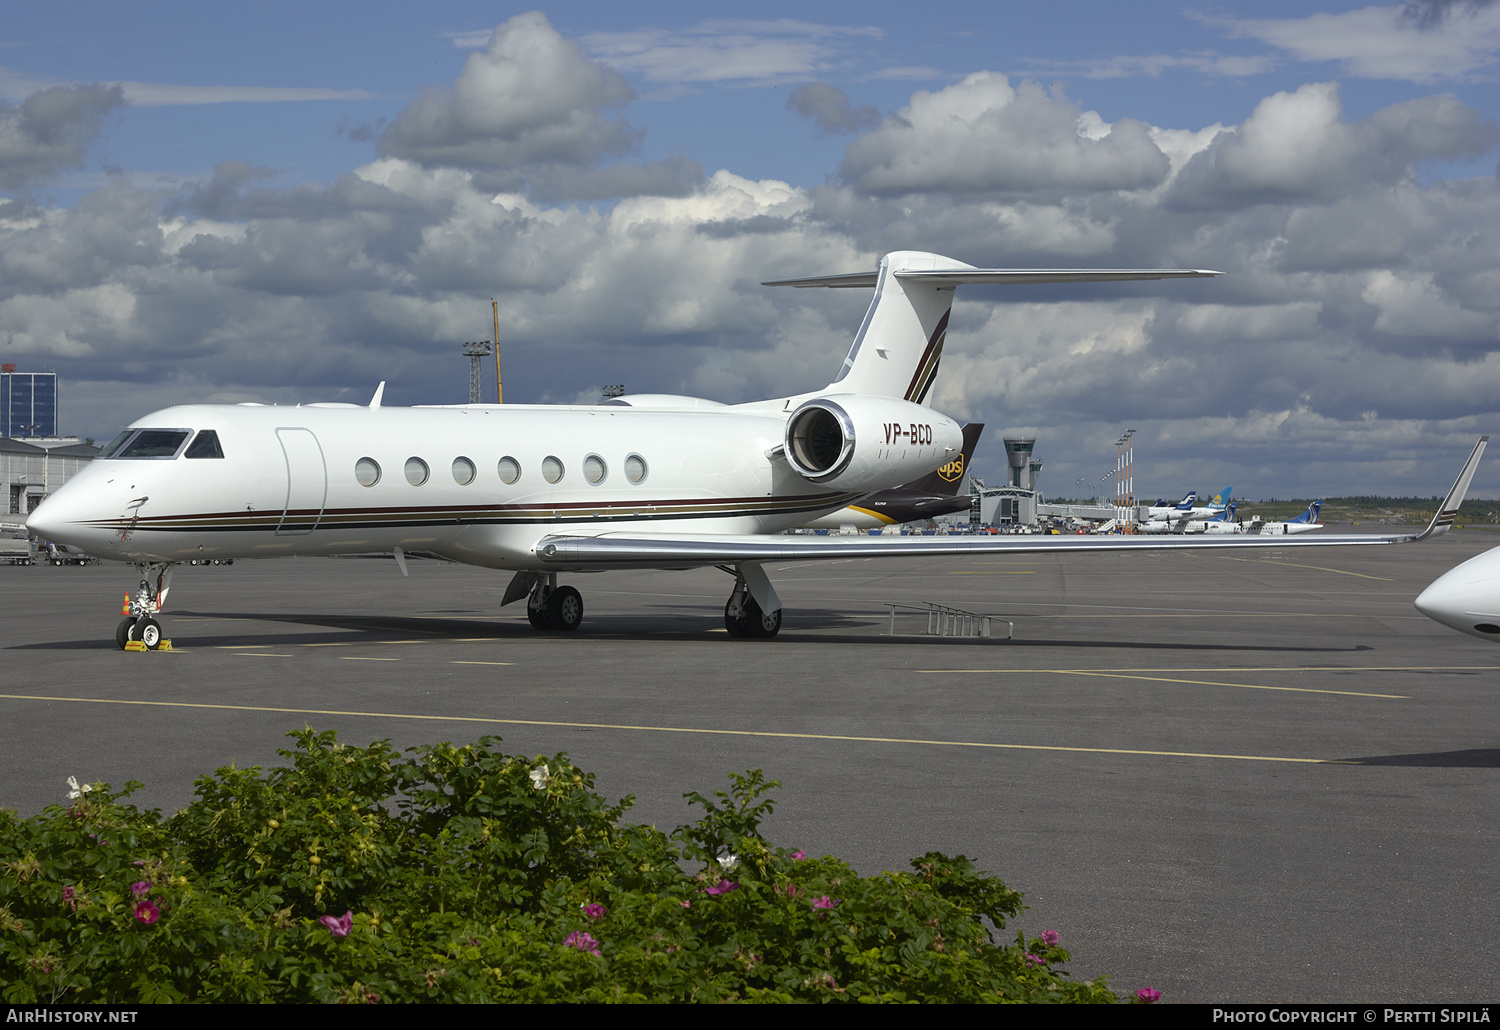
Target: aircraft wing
[[611, 550]]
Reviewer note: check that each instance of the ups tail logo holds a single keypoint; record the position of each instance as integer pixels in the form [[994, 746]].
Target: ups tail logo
[[953, 471]]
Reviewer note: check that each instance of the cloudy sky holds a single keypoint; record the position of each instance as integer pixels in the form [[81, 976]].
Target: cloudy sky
[[291, 202]]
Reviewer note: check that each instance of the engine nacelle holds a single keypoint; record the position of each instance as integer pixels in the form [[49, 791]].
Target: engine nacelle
[[868, 443]]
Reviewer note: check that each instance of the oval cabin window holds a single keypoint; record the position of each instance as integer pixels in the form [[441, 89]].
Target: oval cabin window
[[552, 469], [416, 471], [510, 470], [594, 469], [367, 471], [635, 468], [463, 471]]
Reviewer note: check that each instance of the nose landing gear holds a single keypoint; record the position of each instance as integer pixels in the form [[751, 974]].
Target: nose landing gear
[[139, 627]]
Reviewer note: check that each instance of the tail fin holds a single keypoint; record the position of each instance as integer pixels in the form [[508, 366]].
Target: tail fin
[[1188, 502], [947, 480], [1310, 515], [1448, 510], [900, 343], [1221, 499], [1227, 515]]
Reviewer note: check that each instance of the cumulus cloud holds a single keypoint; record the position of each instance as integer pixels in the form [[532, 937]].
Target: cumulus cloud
[[50, 131], [984, 136], [1357, 333], [1297, 146], [530, 97], [830, 109]]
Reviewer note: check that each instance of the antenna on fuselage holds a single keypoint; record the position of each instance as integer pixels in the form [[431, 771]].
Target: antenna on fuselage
[[379, 393]]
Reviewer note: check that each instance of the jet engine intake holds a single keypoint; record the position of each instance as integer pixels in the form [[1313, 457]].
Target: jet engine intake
[[858, 442]]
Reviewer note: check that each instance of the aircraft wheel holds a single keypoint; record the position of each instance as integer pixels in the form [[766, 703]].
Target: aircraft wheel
[[759, 624], [148, 632], [124, 632], [538, 618], [734, 624], [565, 607]]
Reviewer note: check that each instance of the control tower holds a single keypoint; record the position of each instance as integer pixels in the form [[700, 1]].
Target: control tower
[[1018, 454]]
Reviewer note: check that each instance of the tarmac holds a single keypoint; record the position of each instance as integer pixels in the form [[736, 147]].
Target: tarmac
[[1233, 778]]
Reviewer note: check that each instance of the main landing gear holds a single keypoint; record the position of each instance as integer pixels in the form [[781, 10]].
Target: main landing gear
[[140, 624], [743, 616], [551, 607]]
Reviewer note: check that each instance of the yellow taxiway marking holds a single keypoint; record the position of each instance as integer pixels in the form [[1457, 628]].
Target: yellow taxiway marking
[[400, 641], [261, 654], [684, 729], [1318, 568], [356, 658], [1134, 674], [337, 643], [1243, 686], [480, 663]]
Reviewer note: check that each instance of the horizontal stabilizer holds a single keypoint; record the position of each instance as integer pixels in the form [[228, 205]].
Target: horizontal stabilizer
[[1002, 276]]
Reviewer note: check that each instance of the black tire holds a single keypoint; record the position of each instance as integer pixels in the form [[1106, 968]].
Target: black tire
[[123, 632], [758, 624], [148, 631], [733, 624], [538, 618], [565, 609]]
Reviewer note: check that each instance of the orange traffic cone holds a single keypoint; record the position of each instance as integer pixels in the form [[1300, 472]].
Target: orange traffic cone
[[125, 608]]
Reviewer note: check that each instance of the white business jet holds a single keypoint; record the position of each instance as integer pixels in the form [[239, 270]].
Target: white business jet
[[640, 482], [1467, 598]]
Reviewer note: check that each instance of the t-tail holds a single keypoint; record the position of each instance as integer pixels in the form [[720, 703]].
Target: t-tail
[[899, 345]]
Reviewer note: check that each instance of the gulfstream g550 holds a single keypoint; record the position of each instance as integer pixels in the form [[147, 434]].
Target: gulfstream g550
[[648, 481]]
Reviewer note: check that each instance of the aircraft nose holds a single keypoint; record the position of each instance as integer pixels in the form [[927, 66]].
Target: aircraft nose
[[44, 522], [1459, 602]]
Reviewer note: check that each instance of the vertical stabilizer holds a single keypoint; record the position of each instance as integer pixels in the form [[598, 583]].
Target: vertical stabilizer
[[900, 342]]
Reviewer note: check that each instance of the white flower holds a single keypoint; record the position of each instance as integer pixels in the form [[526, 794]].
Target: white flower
[[539, 777], [77, 791], [727, 861]]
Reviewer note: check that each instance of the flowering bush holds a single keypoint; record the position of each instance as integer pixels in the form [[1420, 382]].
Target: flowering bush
[[468, 875]]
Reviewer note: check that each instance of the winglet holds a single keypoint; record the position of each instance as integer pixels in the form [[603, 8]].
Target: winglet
[[1449, 509], [379, 393]]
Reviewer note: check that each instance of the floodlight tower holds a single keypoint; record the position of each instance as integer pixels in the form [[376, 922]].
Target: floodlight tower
[[475, 352]]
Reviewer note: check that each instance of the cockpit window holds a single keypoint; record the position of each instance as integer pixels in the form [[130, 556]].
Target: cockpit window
[[108, 450], [205, 445], [154, 443]]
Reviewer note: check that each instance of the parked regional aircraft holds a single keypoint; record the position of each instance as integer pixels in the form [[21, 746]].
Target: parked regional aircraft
[[1161, 511], [1467, 598], [1221, 523], [654, 482], [934, 494], [1301, 524]]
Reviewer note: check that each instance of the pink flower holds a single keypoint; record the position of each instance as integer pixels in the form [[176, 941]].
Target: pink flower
[[791, 890], [1146, 995], [1033, 960], [594, 912], [340, 926], [687, 904], [799, 855], [723, 887], [825, 902], [67, 893], [582, 941], [147, 913], [1050, 937], [140, 888]]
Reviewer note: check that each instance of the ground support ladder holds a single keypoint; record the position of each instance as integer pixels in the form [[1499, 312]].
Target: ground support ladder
[[943, 621]]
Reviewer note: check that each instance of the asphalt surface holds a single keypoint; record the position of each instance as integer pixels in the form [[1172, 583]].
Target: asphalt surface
[[1246, 778]]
